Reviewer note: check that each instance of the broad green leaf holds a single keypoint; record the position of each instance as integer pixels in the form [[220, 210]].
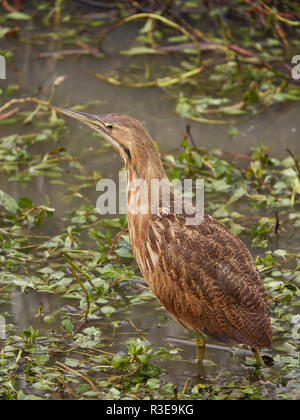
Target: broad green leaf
[[107, 310], [25, 203], [67, 325], [8, 202]]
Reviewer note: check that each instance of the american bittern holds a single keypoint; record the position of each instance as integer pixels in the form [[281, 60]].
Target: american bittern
[[202, 274]]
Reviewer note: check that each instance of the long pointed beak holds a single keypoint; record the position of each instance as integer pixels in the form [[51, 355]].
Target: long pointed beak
[[89, 119]]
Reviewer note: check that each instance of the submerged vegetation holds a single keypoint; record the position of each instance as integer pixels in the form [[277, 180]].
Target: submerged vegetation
[[73, 305]]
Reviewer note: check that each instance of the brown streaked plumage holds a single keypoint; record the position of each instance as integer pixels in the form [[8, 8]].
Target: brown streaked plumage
[[202, 274]]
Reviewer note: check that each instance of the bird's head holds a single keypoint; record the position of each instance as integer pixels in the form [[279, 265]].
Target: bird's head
[[129, 138]]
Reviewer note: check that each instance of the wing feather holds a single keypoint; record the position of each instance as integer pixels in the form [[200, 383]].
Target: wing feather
[[211, 272]]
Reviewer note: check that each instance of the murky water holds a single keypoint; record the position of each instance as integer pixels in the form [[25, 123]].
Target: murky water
[[278, 128]]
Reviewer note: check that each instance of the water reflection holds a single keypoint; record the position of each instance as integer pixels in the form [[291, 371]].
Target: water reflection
[[25, 307]]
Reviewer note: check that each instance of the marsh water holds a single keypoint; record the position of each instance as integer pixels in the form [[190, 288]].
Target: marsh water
[[277, 127]]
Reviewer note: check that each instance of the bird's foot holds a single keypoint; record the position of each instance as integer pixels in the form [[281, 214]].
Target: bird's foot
[[258, 357], [200, 343]]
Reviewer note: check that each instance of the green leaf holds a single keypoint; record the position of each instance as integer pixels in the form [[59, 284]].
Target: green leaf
[[280, 252], [124, 253], [178, 38], [18, 16], [40, 359], [233, 132], [3, 32], [143, 358], [25, 203], [31, 334], [107, 310], [71, 362], [147, 27], [8, 202], [240, 192], [67, 325], [140, 51], [153, 383], [119, 359]]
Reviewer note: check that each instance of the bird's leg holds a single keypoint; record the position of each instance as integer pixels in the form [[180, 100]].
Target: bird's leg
[[200, 343], [259, 359]]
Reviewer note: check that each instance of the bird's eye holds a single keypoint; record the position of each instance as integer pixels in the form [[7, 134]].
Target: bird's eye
[[109, 126]]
